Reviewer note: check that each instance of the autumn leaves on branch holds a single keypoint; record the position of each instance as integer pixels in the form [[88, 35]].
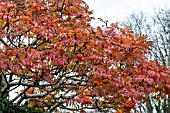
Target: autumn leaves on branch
[[63, 63]]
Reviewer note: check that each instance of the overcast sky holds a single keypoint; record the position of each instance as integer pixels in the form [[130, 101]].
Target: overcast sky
[[118, 10]]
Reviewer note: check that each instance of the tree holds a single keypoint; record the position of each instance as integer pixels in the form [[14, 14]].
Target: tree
[[63, 63], [162, 36], [157, 28], [138, 22]]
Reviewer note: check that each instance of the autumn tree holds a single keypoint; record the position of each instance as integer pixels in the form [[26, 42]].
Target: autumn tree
[[63, 63]]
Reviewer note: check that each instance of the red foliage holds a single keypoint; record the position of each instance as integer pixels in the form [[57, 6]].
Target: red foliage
[[52, 46]]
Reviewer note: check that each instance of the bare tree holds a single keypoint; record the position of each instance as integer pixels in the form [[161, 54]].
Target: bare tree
[[161, 21], [138, 23]]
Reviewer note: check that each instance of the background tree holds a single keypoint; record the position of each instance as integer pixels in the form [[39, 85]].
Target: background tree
[[63, 63], [156, 28], [162, 36], [138, 21]]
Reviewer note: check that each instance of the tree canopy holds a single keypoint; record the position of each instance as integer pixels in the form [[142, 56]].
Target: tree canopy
[[63, 63]]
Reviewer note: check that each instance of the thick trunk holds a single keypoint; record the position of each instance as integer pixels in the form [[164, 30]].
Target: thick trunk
[[2, 85]]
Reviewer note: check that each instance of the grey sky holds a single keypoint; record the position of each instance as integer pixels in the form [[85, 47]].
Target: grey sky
[[117, 10]]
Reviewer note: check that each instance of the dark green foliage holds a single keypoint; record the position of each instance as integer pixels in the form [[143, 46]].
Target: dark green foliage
[[7, 106]]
